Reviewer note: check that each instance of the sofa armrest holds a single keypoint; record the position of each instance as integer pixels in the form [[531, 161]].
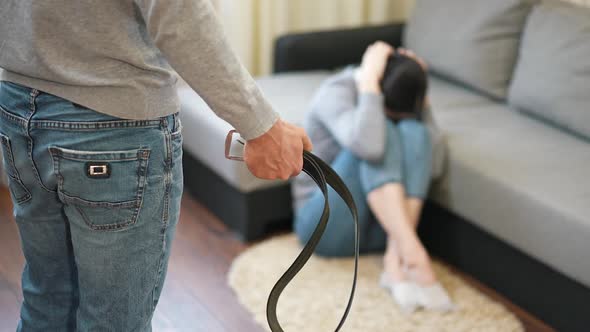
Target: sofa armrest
[[330, 49]]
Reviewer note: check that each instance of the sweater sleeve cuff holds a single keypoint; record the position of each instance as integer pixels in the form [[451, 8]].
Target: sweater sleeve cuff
[[257, 124], [371, 101]]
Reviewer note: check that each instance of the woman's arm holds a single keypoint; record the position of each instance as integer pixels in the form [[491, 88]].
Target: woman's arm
[[357, 121]]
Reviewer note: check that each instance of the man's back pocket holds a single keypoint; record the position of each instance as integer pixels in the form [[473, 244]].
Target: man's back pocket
[[105, 188]]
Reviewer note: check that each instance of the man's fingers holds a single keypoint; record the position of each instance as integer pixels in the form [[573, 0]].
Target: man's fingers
[[299, 168], [307, 146], [304, 139]]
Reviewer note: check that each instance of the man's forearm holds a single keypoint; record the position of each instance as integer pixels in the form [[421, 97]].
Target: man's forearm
[[192, 39]]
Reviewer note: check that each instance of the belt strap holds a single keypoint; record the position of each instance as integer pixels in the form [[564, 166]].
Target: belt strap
[[323, 175]]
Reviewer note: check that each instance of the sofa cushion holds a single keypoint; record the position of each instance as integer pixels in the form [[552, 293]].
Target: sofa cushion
[[523, 181], [472, 41], [204, 133], [444, 94], [552, 77]]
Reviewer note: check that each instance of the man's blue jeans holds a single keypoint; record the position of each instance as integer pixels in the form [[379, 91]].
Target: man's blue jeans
[[407, 160], [96, 200]]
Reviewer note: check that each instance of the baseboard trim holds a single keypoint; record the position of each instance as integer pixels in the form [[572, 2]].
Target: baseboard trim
[[558, 300]]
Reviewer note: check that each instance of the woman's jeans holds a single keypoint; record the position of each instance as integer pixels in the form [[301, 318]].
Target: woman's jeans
[[96, 200], [407, 160]]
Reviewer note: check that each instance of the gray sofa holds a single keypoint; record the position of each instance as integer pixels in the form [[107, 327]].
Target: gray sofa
[[510, 87]]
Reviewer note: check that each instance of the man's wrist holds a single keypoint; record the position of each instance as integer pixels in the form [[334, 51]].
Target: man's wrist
[[259, 124]]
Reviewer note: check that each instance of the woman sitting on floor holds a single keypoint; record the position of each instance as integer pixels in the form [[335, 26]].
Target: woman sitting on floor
[[373, 125]]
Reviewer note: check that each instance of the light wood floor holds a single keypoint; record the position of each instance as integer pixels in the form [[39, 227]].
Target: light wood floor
[[196, 296]]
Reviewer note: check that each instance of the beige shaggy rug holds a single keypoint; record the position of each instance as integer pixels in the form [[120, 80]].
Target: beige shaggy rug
[[316, 298]]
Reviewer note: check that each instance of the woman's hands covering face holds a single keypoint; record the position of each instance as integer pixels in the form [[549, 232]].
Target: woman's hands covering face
[[374, 62], [410, 54]]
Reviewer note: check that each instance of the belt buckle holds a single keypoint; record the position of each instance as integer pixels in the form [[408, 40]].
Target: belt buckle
[[228, 141]]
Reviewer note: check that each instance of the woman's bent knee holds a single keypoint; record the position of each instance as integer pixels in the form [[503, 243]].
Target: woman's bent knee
[[390, 169], [415, 131]]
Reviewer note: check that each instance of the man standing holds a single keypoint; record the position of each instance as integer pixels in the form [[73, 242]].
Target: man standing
[[93, 150]]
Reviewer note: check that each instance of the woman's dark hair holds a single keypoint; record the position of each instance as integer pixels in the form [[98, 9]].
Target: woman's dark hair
[[404, 85]]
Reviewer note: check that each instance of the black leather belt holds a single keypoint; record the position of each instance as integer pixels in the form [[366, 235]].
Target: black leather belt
[[323, 175]]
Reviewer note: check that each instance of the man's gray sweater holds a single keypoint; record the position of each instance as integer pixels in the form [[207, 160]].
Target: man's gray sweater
[[119, 57]]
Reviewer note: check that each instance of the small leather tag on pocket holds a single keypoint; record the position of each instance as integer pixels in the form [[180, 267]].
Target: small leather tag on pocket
[[98, 170]]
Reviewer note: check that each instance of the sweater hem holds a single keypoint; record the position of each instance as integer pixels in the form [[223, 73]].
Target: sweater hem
[[127, 103]]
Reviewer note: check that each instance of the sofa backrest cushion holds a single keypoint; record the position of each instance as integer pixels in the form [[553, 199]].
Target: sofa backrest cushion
[[552, 77], [471, 41]]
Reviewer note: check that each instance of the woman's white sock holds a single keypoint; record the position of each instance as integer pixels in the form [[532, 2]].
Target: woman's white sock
[[405, 294], [434, 297], [410, 296]]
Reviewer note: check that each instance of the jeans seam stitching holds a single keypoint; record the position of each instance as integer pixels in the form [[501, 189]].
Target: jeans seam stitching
[[167, 172], [165, 209], [94, 125], [11, 117], [165, 213], [84, 202], [79, 155], [64, 156], [165, 217], [33, 107], [160, 266], [15, 177]]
